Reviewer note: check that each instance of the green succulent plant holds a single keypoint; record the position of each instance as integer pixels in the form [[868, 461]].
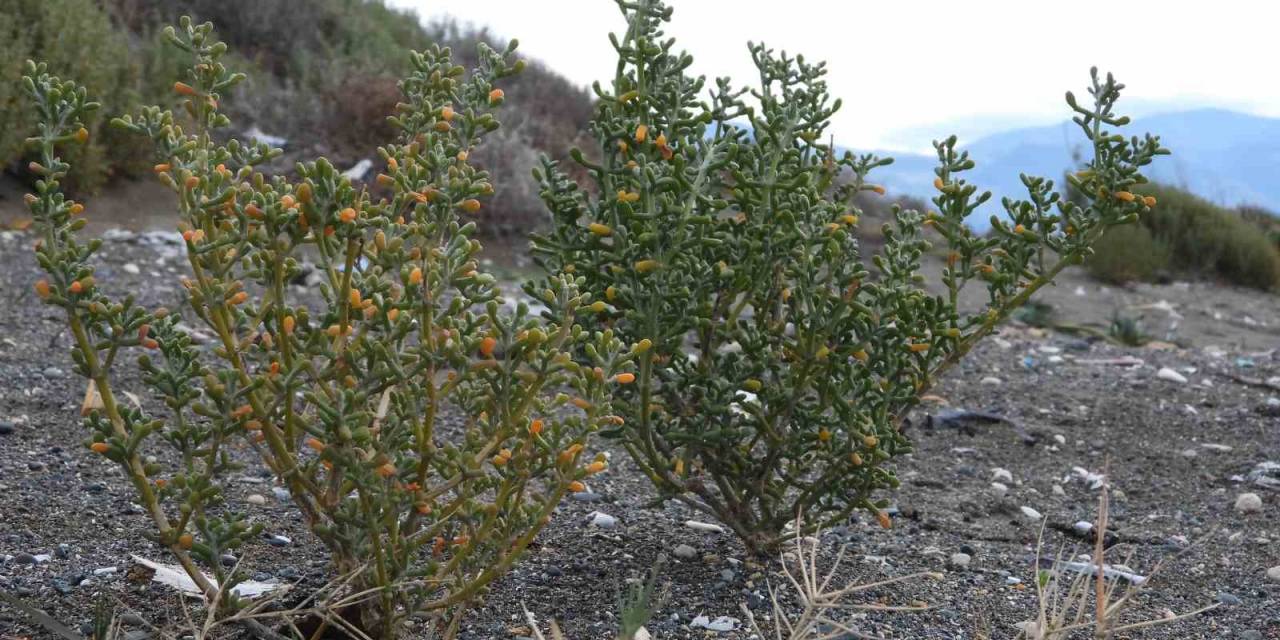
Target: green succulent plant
[[720, 230]]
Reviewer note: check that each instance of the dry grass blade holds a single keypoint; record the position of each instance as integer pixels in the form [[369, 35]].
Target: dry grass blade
[[1065, 607], [818, 599]]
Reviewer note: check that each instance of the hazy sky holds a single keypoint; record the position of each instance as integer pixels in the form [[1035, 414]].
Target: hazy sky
[[911, 71]]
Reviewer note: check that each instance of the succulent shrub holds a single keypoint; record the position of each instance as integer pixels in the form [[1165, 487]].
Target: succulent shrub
[[721, 232], [346, 394]]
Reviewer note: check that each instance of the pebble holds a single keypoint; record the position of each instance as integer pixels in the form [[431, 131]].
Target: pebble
[[705, 527], [131, 268], [1228, 599], [1273, 574], [587, 496], [104, 571], [992, 381], [1031, 514], [999, 488], [279, 541], [961, 560], [1165, 373], [281, 494], [24, 558], [602, 520], [1248, 503], [1082, 527], [685, 552], [1001, 475], [6, 427], [256, 500]]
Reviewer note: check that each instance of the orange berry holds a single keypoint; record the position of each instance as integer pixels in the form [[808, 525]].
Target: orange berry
[[487, 345], [76, 287], [253, 211], [577, 487], [1125, 196], [471, 205], [600, 229], [42, 289], [160, 168], [824, 435], [446, 112], [192, 182], [1150, 201], [185, 541], [385, 180], [182, 88], [496, 97], [937, 184], [347, 216], [288, 202], [100, 447], [443, 126], [387, 470], [82, 135], [917, 347], [883, 519], [581, 403], [642, 133], [315, 444], [877, 189], [287, 325], [239, 297], [535, 427], [855, 459], [625, 378], [354, 297], [596, 467], [76, 209], [645, 266]]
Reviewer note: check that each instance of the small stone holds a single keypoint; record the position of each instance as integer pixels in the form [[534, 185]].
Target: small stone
[[992, 381], [1082, 527], [587, 496], [104, 571], [1190, 453], [256, 500], [281, 494], [961, 560], [1165, 373], [1031, 514], [228, 560], [1248, 503], [1058, 490], [999, 488], [602, 520], [24, 558], [53, 372], [1001, 475], [1273, 574], [685, 552], [1229, 600], [6, 427], [1059, 438], [279, 541], [705, 527]]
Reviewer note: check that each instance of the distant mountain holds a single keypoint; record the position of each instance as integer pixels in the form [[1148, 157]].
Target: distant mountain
[[1227, 157]]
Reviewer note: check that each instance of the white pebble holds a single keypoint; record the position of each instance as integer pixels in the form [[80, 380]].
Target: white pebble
[[256, 500], [1031, 514], [1001, 475], [1273, 574], [999, 488], [960, 560], [991, 381], [1248, 503], [703, 526], [1165, 373], [131, 268], [602, 520], [1059, 438], [1082, 527]]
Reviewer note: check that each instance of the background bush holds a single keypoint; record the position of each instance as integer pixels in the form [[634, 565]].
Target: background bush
[[302, 75], [1189, 235]]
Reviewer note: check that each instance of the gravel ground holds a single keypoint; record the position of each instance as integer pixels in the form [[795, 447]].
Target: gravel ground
[[1178, 450]]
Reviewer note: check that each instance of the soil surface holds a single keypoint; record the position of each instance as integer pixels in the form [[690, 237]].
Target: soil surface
[[1176, 449]]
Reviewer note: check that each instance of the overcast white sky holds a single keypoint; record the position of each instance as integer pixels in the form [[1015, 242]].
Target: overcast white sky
[[911, 71]]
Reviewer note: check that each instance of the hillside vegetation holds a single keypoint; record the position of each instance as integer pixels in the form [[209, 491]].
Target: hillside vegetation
[[332, 67], [1186, 235]]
